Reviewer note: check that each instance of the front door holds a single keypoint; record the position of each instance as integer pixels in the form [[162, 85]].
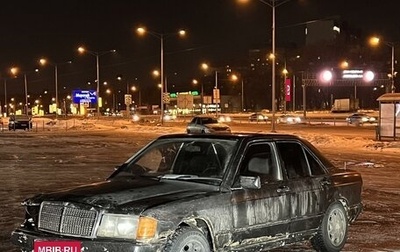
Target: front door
[[262, 212]]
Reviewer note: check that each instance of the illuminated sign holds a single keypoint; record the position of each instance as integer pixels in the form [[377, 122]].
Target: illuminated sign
[[353, 74], [84, 96], [367, 76], [175, 95]]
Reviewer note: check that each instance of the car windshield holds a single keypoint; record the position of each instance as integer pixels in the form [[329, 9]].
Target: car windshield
[[182, 159], [208, 120]]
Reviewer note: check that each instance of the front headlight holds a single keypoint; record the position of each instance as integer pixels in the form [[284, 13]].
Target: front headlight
[[127, 226], [135, 118]]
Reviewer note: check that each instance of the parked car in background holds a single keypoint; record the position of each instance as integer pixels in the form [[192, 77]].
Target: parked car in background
[[23, 122], [360, 118], [258, 117], [206, 124], [210, 192], [289, 119]]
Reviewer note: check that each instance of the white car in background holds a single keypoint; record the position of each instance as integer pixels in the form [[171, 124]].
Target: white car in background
[[205, 125], [289, 119], [360, 118]]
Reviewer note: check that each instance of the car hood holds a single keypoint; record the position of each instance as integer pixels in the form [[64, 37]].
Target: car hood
[[129, 194], [217, 126]]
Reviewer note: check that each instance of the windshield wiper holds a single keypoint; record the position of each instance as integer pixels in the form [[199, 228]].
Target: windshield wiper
[[186, 177], [178, 176]]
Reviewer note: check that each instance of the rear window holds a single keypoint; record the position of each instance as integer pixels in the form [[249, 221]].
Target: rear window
[[20, 117]]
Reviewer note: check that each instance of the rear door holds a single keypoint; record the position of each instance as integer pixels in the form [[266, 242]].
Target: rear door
[[308, 182]]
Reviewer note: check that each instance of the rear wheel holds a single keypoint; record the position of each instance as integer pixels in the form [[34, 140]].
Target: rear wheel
[[332, 234], [187, 239]]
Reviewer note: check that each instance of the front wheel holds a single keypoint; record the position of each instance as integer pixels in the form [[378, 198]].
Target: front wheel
[[187, 239], [332, 234]]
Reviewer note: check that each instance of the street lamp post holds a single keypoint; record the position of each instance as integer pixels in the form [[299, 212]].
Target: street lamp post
[[273, 4], [195, 82], [44, 62], [14, 71], [216, 91], [235, 78], [161, 37], [392, 69], [26, 94], [5, 98], [97, 55], [374, 41], [285, 73]]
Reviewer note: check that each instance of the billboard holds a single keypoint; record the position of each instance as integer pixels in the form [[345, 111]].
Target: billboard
[[84, 96], [288, 90]]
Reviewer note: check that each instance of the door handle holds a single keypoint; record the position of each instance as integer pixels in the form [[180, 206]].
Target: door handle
[[283, 189], [325, 182]]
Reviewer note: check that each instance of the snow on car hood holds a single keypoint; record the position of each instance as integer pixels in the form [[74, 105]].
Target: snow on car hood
[[133, 194]]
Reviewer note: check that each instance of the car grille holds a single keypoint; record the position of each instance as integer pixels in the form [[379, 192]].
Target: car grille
[[66, 219]]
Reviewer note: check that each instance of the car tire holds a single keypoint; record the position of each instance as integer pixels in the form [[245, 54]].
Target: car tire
[[187, 239], [332, 233]]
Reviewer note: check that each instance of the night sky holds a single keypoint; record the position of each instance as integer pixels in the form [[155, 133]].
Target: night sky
[[219, 31]]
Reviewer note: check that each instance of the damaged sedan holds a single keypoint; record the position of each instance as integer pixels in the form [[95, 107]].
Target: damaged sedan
[[182, 192]]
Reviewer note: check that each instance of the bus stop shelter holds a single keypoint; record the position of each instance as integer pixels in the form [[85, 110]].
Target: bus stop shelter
[[389, 117]]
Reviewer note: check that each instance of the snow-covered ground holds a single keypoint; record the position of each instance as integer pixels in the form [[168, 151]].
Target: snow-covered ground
[[75, 151]]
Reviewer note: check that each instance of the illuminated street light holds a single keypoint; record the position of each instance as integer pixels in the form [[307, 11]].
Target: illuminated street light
[[375, 41], [273, 4], [43, 62], [326, 76], [344, 64], [97, 55], [161, 37], [204, 66]]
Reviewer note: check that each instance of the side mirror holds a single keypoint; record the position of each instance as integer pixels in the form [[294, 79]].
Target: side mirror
[[248, 182]]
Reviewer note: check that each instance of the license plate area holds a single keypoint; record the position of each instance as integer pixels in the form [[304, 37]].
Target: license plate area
[[57, 246]]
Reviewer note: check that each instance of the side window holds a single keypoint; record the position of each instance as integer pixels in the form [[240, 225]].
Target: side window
[[259, 161], [293, 159], [315, 167]]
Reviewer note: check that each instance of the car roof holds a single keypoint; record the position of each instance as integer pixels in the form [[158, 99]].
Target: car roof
[[204, 116], [238, 136], [19, 116]]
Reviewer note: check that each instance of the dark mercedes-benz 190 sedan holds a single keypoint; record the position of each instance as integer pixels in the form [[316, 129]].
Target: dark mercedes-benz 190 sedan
[[229, 192]]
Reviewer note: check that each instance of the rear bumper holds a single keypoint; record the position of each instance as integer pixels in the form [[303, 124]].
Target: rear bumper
[[25, 241]]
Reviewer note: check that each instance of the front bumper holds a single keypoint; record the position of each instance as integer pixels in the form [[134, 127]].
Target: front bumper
[[354, 212], [25, 241]]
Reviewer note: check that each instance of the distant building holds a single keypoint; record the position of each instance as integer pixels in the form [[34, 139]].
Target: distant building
[[321, 31]]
